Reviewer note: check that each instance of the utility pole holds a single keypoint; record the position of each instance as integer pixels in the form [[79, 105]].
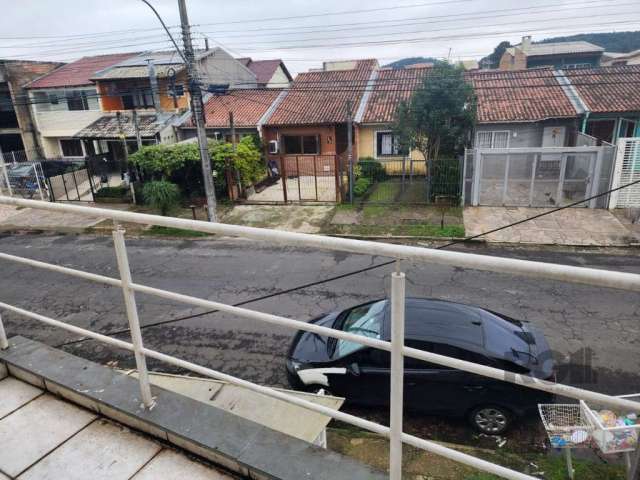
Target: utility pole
[[136, 126], [124, 166], [153, 81], [350, 147], [196, 111], [232, 127]]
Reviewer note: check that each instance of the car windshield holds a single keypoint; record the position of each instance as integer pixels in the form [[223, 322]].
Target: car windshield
[[365, 320]]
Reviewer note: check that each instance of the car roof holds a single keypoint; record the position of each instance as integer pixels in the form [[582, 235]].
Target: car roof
[[441, 321]]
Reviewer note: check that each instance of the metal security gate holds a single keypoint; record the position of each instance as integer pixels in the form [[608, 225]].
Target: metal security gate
[[310, 178], [23, 179], [627, 170], [542, 177], [69, 180]]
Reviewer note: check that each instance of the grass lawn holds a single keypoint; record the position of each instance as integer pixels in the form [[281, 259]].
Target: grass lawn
[[419, 230], [373, 450], [399, 220], [173, 232], [384, 192]]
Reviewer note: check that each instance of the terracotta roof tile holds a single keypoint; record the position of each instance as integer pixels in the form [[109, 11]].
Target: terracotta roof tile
[[608, 89], [78, 73], [519, 96], [319, 97], [390, 88], [248, 106]]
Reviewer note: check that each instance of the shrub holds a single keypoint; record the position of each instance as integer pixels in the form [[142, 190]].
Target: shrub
[[361, 186], [180, 163], [112, 192], [161, 195], [372, 169]]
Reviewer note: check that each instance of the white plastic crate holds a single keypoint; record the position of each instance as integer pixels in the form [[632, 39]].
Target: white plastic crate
[[565, 424], [608, 433]]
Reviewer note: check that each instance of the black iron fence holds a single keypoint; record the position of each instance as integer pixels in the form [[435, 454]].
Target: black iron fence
[[407, 181]]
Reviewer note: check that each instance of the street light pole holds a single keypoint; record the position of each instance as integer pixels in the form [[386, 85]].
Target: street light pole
[[197, 108]]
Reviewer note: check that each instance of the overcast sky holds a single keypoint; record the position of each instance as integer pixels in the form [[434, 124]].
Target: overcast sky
[[332, 29]]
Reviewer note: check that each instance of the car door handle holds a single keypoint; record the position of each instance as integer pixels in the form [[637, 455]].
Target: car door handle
[[473, 388]]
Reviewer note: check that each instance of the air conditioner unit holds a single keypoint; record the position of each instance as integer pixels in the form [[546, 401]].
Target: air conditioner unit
[[273, 147]]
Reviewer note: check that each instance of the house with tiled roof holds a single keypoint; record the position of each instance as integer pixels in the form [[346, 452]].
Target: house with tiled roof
[[311, 119], [269, 73], [127, 86], [250, 108], [610, 100], [525, 108], [376, 114], [547, 108], [65, 101]]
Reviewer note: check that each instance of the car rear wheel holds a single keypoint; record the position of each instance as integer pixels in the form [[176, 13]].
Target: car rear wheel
[[490, 419]]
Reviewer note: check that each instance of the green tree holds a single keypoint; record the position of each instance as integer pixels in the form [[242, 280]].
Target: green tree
[[437, 120], [439, 116], [495, 57]]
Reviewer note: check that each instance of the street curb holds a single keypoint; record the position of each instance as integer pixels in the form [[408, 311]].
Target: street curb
[[399, 237], [12, 229]]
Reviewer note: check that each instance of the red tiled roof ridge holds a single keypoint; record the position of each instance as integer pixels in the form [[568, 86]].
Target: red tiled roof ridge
[[79, 72]]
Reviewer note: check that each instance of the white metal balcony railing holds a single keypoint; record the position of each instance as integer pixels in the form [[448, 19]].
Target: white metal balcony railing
[[602, 278]]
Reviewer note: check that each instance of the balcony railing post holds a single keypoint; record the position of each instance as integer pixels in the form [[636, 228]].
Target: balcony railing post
[[132, 314], [397, 374], [4, 343]]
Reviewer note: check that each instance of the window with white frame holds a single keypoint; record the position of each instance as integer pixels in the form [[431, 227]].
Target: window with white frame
[[71, 147], [493, 139], [386, 144]]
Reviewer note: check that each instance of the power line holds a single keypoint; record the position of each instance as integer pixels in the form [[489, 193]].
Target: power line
[[428, 38], [359, 271], [343, 12], [409, 32], [454, 17]]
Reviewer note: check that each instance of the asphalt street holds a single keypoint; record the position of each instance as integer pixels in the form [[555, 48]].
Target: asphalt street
[[593, 331]]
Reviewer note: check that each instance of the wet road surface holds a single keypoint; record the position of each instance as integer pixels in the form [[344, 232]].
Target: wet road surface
[[594, 332]]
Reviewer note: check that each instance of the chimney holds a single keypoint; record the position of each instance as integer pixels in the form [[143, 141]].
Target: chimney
[[153, 81], [526, 43]]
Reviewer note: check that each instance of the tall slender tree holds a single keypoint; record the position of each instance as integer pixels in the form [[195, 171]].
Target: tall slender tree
[[438, 118]]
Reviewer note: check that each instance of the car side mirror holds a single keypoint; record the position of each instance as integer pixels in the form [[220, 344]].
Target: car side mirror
[[354, 369]]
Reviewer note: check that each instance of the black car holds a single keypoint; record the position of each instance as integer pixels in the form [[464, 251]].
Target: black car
[[361, 374]]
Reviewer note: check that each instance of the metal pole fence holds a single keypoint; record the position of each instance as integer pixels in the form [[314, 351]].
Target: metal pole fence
[[397, 374], [132, 315], [4, 343]]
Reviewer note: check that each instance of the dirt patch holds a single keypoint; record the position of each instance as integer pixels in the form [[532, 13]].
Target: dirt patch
[[292, 218]]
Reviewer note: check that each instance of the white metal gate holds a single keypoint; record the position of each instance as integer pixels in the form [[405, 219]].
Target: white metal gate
[[627, 170], [22, 179], [537, 177]]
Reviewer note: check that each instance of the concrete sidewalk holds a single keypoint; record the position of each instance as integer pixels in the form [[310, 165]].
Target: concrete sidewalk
[[15, 218], [573, 226]]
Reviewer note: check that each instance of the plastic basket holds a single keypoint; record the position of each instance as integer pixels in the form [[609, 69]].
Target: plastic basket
[[611, 439], [565, 424]]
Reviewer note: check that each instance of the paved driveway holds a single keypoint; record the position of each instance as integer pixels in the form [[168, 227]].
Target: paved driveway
[[573, 226]]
